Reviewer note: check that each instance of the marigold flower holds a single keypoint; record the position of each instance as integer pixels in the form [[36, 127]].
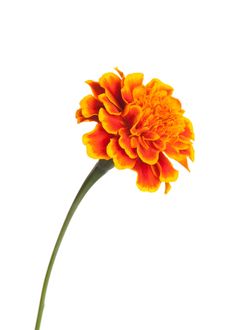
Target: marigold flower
[[139, 127]]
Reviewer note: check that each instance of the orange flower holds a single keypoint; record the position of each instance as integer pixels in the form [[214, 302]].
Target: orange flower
[[138, 126]]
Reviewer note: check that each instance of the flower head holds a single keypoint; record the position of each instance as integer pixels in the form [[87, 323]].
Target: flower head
[[139, 127]]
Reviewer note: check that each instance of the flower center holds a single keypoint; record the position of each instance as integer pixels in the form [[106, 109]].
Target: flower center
[[161, 118]]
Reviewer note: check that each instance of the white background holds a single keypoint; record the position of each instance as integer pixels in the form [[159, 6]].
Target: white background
[[130, 260]]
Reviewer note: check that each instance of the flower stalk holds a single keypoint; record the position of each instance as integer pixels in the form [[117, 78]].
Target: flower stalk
[[101, 167]]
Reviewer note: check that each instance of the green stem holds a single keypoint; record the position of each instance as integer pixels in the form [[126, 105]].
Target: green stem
[[101, 167]]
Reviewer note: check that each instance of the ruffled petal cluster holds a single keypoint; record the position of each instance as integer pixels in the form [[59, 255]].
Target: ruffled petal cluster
[[140, 127]]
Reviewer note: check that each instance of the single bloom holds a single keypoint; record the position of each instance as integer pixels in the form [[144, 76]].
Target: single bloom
[[140, 127]]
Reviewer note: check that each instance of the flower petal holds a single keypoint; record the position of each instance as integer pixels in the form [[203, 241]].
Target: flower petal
[[184, 148], [96, 142], [120, 158], [152, 136], [167, 171], [130, 82], [90, 106], [167, 187], [110, 123], [173, 153], [125, 143], [121, 74], [78, 115], [146, 179], [132, 115], [157, 87], [134, 141], [149, 154], [139, 94], [188, 152], [109, 106], [112, 85], [188, 132], [80, 118], [173, 104], [95, 87]]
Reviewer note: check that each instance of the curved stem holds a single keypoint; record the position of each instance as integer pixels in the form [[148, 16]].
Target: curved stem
[[101, 167]]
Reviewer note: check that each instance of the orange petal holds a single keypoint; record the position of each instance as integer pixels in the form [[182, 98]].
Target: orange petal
[[90, 106], [109, 106], [180, 145], [143, 142], [185, 148], [132, 115], [130, 82], [110, 123], [112, 85], [173, 104], [120, 158], [188, 131], [151, 136], [125, 143], [149, 154], [191, 153], [188, 152], [157, 86], [139, 94], [159, 144], [146, 179], [134, 141], [120, 73], [80, 118], [95, 87], [173, 153], [167, 171], [96, 142], [167, 187]]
